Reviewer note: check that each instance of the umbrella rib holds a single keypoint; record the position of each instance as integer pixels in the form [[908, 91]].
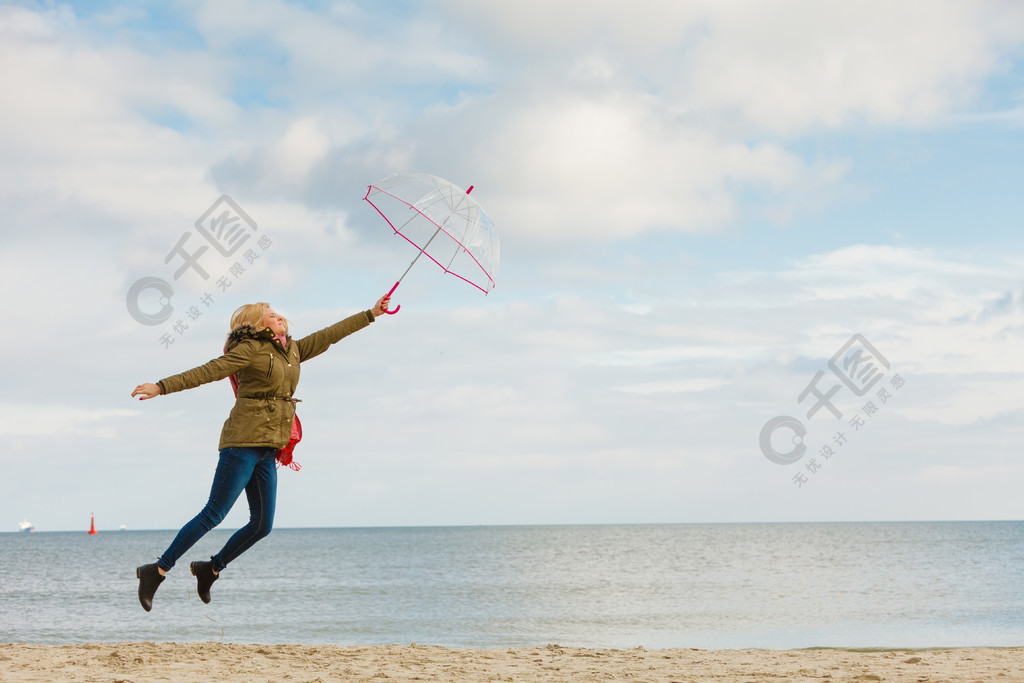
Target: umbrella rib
[[415, 213], [440, 228]]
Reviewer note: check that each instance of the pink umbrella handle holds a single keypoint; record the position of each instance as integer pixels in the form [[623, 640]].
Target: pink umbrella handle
[[396, 307]]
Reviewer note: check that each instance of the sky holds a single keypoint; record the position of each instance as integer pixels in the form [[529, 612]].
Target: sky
[[712, 215]]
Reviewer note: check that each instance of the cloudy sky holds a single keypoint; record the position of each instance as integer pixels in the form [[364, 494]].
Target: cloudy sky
[[700, 204]]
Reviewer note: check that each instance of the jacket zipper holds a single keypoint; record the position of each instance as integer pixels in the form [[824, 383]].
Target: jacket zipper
[[270, 369]]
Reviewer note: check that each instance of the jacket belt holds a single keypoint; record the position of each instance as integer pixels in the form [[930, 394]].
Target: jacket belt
[[272, 398]]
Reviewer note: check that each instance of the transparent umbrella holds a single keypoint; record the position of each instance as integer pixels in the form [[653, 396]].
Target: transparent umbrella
[[443, 222]]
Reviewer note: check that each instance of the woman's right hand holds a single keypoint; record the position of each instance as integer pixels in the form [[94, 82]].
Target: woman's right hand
[[381, 307], [146, 390]]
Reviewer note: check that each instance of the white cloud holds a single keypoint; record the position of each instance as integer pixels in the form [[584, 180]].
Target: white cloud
[[675, 386], [646, 358], [570, 167], [598, 145], [558, 166], [781, 66], [956, 477], [302, 146], [59, 421], [797, 65], [77, 127], [342, 47], [660, 131], [969, 398]]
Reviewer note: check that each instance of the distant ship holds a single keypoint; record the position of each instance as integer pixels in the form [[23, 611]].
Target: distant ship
[[26, 527]]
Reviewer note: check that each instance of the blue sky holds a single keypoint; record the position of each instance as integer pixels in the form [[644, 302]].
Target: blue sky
[[699, 204]]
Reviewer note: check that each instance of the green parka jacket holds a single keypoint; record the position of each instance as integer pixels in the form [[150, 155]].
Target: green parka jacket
[[268, 373]]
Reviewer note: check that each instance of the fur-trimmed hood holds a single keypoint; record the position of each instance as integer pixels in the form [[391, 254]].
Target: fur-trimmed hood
[[243, 332]]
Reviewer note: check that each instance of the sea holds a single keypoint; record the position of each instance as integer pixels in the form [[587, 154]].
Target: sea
[[710, 586]]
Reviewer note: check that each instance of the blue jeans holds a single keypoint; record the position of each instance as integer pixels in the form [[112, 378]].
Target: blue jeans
[[251, 468]]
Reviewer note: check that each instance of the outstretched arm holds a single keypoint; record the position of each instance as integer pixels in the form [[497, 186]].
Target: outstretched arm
[[217, 369]]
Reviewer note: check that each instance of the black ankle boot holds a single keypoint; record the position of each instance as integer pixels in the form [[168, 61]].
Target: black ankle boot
[[150, 578], [203, 571]]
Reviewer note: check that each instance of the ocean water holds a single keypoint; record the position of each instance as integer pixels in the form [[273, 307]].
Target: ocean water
[[926, 584]]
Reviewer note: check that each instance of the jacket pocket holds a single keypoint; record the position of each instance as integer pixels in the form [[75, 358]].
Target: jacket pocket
[[270, 366], [258, 422]]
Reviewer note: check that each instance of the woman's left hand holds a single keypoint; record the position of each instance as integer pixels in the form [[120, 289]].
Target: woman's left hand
[[381, 307]]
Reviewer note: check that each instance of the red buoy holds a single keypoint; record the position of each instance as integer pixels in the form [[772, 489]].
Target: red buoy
[[92, 524]]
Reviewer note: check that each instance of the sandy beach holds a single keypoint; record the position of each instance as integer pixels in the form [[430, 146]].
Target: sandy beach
[[187, 662]]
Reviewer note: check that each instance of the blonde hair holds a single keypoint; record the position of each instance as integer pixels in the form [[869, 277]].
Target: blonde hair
[[252, 315]]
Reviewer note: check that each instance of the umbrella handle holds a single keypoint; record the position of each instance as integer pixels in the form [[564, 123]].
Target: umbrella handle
[[389, 294]]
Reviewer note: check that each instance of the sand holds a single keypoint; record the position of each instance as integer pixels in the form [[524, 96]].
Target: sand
[[187, 662]]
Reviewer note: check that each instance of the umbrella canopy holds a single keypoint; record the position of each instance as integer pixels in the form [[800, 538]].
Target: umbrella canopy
[[443, 222]]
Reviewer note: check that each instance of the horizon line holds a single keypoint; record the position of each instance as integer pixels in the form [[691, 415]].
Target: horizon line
[[541, 524]]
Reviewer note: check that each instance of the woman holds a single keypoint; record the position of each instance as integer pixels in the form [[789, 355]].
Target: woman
[[265, 361]]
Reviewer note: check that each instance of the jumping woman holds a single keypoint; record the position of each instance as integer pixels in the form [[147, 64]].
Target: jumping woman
[[263, 361]]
